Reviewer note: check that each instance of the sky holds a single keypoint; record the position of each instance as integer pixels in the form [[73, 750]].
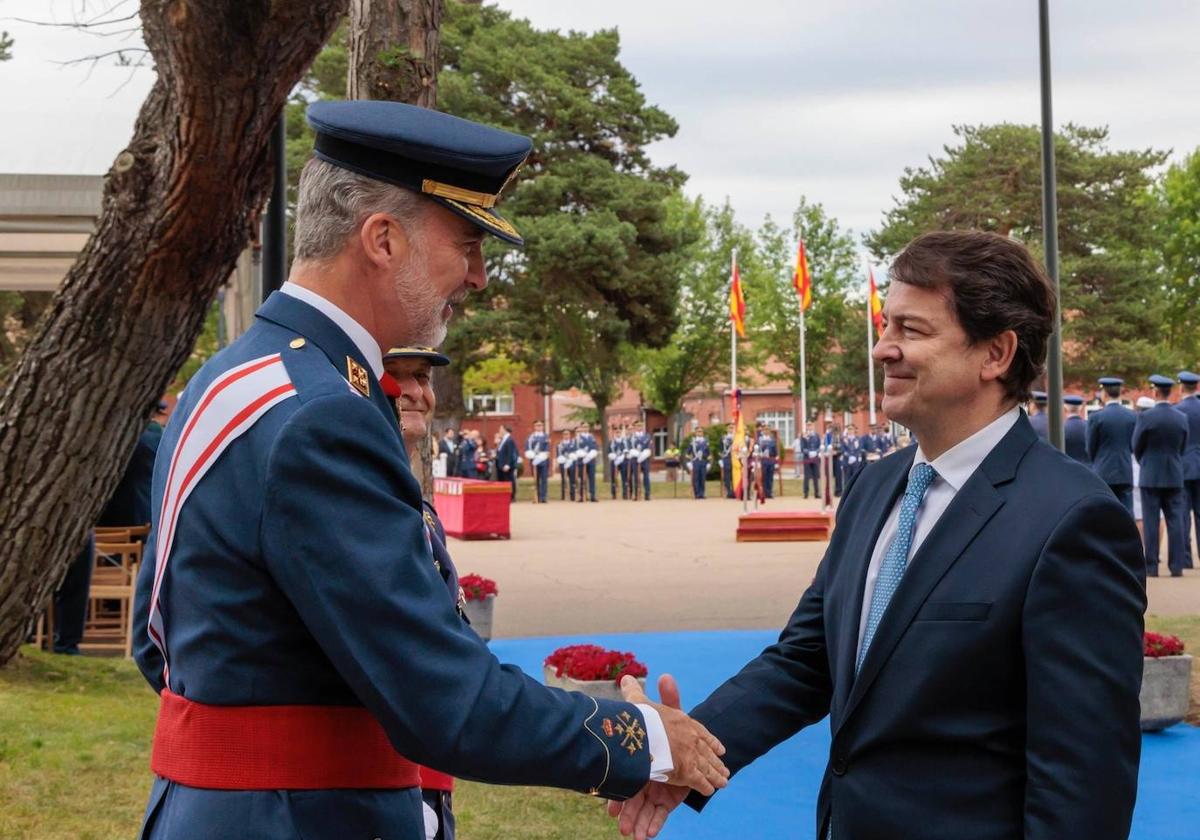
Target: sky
[[775, 100]]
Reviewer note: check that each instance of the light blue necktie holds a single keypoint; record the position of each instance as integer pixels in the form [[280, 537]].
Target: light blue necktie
[[895, 561]]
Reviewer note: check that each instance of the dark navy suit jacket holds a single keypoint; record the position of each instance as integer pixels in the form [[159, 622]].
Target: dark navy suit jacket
[[1159, 441], [130, 502], [1190, 406], [507, 455], [1075, 438], [999, 698], [1110, 443], [303, 573]]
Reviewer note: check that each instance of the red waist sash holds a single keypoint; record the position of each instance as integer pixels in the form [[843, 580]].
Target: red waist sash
[[275, 747], [433, 780]]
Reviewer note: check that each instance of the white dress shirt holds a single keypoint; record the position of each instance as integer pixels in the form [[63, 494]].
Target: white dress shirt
[[355, 331], [656, 734], [954, 467]]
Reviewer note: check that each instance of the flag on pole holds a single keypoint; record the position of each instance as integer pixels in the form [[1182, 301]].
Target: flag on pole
[[876, 304], [737, 301], [802, 280], [739, 436]]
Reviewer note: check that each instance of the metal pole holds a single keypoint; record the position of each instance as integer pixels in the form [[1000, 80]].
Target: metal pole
[[275, 227], [870, 364], [732, 326], [803, 382], [1050, 233]]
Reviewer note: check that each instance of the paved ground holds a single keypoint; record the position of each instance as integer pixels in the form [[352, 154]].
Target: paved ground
[[668, 564]]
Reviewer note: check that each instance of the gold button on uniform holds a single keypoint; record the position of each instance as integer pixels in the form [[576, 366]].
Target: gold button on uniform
[[297, 343]]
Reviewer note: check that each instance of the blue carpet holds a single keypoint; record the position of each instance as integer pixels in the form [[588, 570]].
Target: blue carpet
[[776, 796]]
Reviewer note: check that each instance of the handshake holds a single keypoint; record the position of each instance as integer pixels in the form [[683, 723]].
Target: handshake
[[695, 754]]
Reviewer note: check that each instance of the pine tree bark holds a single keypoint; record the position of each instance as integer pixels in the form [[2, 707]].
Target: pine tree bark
[[395, 55], [179, 205]]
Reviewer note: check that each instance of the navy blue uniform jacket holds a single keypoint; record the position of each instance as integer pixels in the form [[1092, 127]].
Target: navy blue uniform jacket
[[1190, 406], [1110, 443], [1075, 438], [130, 502], [302, 573], [1159, 441], [999, 698], [1041, 425]]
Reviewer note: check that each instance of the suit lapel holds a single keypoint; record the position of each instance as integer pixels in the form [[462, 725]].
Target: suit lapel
[[973, 506]]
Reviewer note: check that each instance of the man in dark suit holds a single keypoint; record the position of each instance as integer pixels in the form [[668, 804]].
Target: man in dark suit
[[1075, 429], [1037, 415], [507, 459], [1159, 441], [1189, 404], [973, 690], [1110, 442]]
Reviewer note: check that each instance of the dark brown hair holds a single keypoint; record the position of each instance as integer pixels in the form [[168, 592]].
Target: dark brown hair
[[995, 285]]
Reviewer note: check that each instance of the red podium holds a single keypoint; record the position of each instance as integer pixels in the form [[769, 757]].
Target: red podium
[[471, 509], [785, 526]]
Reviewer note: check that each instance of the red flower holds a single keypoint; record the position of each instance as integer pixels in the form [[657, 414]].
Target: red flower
[[477, 588], [593, 663], [1161, 644]]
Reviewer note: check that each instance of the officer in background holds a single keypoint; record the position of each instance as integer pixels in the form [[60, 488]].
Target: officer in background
[[812, 462], [130, 502], [768, 451], [1075, 429], [832, 445], [1110, 442], [697, 455], [851, 454], [537, 451], [467, 451], [870, 446], [565, 458], [448, 446], [589, 450], [628, 459], [616, 457], [1037, 415], [886, 442], [727, 462], [1159, 441], [507, 459], [641, 445], [1189, 404]]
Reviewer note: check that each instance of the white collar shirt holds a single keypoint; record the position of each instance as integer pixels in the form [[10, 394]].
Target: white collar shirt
[[355, 331], [954, 467]]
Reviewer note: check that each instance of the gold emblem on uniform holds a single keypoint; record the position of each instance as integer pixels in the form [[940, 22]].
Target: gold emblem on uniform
[[633, 736], [357, 374], [296, 343]]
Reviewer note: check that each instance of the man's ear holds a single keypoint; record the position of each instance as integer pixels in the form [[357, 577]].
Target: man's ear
[[383, 240], [1000, 352]]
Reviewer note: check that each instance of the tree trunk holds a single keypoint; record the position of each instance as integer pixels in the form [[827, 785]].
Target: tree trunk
[[179, 206], [394, 55], [394, 50]]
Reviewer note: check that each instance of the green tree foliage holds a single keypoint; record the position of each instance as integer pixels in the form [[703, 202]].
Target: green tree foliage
[[6, 44], [496, 374], [19, 313], [1110, 257], [1179, 198]]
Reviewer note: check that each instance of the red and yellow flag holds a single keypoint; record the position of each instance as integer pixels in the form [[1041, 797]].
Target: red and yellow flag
[[737, 301], [802, 280], [739, 436], [876, 304]]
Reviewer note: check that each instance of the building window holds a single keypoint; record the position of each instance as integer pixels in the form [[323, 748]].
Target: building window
[[783, 422], [660, 442], [491, 404]]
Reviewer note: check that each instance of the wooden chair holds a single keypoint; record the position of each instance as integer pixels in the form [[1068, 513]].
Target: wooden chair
[[109, 623]]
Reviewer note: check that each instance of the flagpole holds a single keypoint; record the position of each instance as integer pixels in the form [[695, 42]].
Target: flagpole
[[870, 359], [732, 328], [803, 381]]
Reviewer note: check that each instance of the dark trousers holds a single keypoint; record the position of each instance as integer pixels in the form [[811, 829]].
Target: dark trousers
[[836, 466], [571, 480], [1191, 512], [562, 475], [542, 471], [769, 478], [644, 469], [589, 469], [624, 471], [1169, 502], [812, 473], [71, 600], [727, 479], [1124, 494], [699, 468]]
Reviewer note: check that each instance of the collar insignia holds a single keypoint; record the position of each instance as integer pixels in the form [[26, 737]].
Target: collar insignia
[[357, 374]]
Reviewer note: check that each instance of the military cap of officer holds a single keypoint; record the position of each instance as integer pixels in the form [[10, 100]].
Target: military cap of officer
[[1040, 397], [434, 357], [1073, 399], [1187, 377], [1161, 381], [462, 165], [1111, 380]]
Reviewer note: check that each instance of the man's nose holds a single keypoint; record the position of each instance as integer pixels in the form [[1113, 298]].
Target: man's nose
[[476, 270]]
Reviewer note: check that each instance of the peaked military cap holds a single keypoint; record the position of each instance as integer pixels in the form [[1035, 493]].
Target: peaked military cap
[[1144, 402], [1187, 377], [1073, 399], [1111, 380], [1161, 381], [1040, 397], [462, 165], [435, 358]]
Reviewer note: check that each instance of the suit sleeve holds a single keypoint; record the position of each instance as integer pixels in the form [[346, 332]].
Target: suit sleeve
[[786, 688], [355, 560], [1091, 442], [145, 653], [1082, 637], [1139, 439]]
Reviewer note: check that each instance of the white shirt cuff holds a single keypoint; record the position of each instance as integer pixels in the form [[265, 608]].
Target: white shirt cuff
[[661, 762]]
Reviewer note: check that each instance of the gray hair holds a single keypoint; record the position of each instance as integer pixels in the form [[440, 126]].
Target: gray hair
[[333, 202]]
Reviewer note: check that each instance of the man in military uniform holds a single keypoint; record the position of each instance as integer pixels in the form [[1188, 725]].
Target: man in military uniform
[[565, 458], [831, 444], [812, 462], [616, 457], [289, 611], [641, 445], [769, 452], [448, 446], [588, 450], [1189, 404], [697, 455], [537, 451], [869, 446], [727, 462], [1110, 442], [1159, 441], [466, 455], [1075, 429], [507, 459], [1037, 415], [851, 454], [886, 442]]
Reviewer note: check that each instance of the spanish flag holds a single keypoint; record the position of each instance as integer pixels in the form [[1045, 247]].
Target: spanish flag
[[739, 437], [737, 301], [876, 304], [802, 280]]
